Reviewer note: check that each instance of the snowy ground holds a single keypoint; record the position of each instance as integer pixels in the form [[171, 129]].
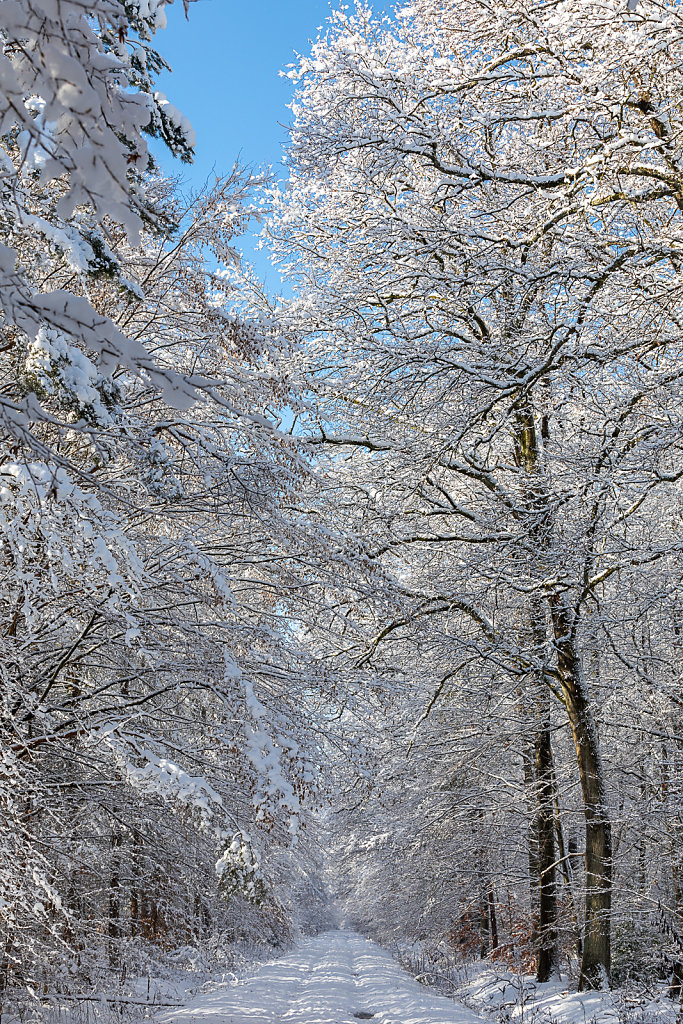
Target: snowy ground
[[335, 978], [521, 1000]]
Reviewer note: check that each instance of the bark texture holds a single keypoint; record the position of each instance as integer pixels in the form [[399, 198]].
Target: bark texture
[[596, 961]]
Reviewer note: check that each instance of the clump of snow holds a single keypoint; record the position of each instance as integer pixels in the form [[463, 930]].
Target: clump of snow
[[42, 508], [177, 119], [156, 775], [274, 791], [63, 371], [153, 12], [238, 868]]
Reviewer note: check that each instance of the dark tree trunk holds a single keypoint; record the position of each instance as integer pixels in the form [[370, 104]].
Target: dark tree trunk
[[114, 925], [529, 457], [532, 835], [596, 961], [484, 936], [136, 883], [493, 921], [546, 941], [548, 960], [676, 984]]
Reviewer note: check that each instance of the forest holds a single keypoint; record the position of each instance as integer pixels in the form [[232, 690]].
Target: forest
[[354, 606]]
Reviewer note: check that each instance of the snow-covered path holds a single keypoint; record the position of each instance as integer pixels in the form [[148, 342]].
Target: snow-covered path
[[335, 978]]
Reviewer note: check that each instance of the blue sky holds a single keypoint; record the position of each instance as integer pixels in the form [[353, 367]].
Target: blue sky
[[226, 61]]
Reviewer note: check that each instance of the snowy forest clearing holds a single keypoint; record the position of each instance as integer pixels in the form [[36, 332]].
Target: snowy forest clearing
[[335, 978]]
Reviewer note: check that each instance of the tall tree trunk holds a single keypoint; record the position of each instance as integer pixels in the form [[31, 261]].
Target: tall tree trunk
[[493, 920], [135, 873], [547, 953], [5, 967], [529, 456], [114, 897], [548, 959], [596, 961], [488, 924], [528, 757], [484, 933], [566, 861]]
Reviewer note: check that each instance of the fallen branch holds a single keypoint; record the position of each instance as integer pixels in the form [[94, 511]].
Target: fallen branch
[[55, 996]]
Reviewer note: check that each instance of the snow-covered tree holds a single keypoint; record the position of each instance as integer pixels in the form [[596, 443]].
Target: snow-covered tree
[[154, 709], [157, 699], [483, 215], [76, 104]]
